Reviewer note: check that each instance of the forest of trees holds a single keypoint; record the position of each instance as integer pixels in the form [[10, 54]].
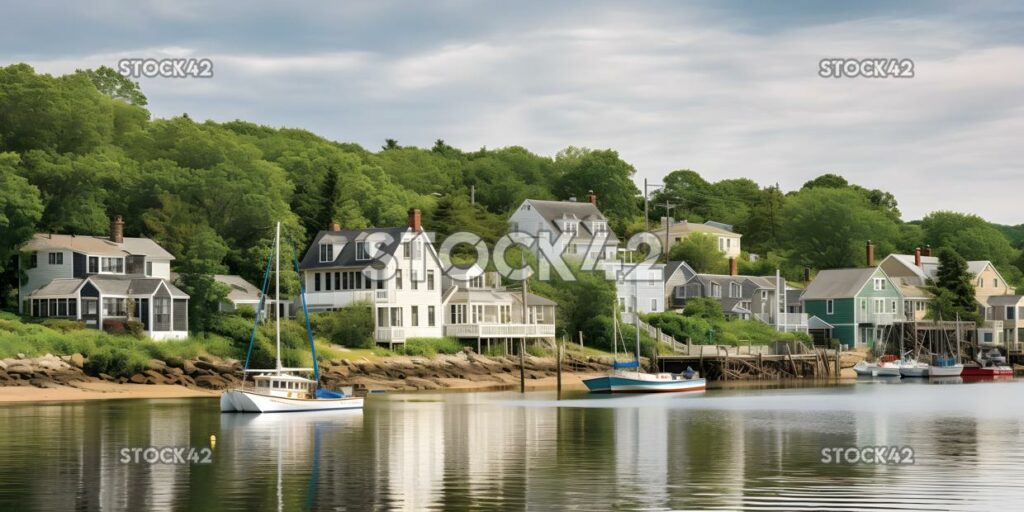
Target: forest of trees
[[79, 148]]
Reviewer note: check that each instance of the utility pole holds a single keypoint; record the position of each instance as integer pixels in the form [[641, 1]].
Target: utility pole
[[668, 222], [647, 215]]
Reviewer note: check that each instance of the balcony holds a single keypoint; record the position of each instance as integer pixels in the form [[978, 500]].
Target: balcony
[[790, 322], [389, 335], [500, 331], [880, 318], [381, 295]]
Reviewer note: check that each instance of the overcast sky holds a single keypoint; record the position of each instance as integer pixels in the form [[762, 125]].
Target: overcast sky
[[729, 90]]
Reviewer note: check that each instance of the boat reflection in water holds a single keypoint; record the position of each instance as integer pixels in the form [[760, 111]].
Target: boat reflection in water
[[294, 443]]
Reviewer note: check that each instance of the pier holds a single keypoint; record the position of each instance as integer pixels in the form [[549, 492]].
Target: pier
[[753, 362]]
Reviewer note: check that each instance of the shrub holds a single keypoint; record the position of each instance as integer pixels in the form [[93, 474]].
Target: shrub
[[536, 350], [430, 347], [135, 328], [351, 326], [703, 307], [246, 311], [63, 325], [114, 326]]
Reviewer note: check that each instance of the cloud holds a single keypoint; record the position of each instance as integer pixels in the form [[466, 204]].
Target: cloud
[[722, 90]]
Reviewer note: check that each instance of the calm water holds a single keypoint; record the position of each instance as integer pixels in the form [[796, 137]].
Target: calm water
[[727, 449]]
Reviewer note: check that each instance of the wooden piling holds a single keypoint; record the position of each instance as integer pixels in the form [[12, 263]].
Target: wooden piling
[[559, 349]]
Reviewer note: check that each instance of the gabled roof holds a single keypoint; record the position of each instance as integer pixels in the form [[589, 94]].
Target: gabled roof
[[930, 265], [685, 227], [719, 225], [345, 255], [97, 245], [553, 211], [241, 290], [110, 284], [672, 266], [838, 283], [723, 279], [1004, 300]]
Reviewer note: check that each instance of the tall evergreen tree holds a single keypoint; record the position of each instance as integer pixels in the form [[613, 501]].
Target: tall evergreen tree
[[953, 289]]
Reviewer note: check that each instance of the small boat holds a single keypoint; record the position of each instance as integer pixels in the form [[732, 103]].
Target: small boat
[[945, 367], [283, 389], [623, 381], [635, 382], [885, 369], [989, 364], [912, 368]]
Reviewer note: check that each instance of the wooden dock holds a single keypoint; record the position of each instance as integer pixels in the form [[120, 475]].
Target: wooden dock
[[782, 360]]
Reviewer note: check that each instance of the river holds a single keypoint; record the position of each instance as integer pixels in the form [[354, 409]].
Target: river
[[747, 448]]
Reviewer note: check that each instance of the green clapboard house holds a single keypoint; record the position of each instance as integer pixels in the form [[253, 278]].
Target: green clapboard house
[[859, 306]]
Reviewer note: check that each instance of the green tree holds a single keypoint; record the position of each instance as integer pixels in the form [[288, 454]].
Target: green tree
[[969, 235], [953, 289], [828, 227], [603, 172], [700, 251], [703, 307], [113, 84]]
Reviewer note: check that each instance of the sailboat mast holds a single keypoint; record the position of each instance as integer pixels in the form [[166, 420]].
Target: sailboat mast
[[636, 315], [277, 289], [615, 331]]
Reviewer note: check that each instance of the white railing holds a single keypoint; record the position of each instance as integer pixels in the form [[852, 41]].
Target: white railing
[[500, 330], [881, 318], [389, 335], [381, 295]]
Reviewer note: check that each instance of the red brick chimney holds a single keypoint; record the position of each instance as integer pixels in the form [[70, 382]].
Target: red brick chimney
[[334, 227], [733, 268], [117, 230], [871, 254], [415, 221], [917, 256], [927, 251], [592, 198]]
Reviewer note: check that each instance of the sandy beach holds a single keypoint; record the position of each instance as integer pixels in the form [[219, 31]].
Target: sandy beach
[[99, 391]]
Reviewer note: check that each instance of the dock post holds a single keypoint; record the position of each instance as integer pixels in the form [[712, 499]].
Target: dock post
[[839, 369], [559, 347], [522, 366]]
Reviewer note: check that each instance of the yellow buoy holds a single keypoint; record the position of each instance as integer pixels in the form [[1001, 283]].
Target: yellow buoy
[[213, 441]]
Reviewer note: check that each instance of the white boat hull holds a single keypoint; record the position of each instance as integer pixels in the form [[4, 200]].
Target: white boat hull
[[918, 371], [945, 371], [246, 401]]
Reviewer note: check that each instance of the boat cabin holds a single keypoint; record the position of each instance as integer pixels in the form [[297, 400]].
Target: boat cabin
[[283, 385]]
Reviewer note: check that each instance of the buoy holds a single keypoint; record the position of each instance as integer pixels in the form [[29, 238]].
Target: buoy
[[213, 441]]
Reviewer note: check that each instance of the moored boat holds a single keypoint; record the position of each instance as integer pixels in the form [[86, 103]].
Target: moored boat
[[283, 389], [945, 367], [644, 383], [989, 364], [885, 369], [914, 369]]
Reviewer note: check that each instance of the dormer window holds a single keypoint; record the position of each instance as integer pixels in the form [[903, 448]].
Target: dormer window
[[362, 251], [112, 265], [600, 227], [571, 227], [326, 253], [476, 282], [734, 290]]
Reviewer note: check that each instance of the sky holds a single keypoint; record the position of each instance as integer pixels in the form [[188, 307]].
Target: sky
[[728, 89]]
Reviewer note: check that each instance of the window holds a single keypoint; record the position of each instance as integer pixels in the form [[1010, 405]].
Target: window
[[382, 317], [721, 244], [396, 317], [415, 316], [327, 281], [538, 314], [1010, 310], [149, 269], [600, 227], [112, 265], [716, 290], [476, 282], [326, 253], [414, 278], [764, 294], [430, 279], [115, 307], [316, 281], [406, 252], [398, 279], [734, 290], [654, 304], [430, 316], [879, 284], [506, 313], [362, 251], [94, 265], [879, 305], [830, 307], [995, 283], [458, 313], [570, 227], [477, 313], [56, 258]]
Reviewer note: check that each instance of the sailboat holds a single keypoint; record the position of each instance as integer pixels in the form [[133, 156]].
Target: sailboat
[[948, 365], [283, 389], [623, 381]]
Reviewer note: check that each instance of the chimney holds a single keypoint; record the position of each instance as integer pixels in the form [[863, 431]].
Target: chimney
[[334, 227], [927, 251], [871, 254], [117, 230], [415, 221], [592, 198], [807, 274], [917, 256], [733, 268]]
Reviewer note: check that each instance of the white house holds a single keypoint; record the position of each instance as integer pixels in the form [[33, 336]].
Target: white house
[[395, 270], [481, 309], [102, 281], [584, 226], [639, 287], [728, 241]]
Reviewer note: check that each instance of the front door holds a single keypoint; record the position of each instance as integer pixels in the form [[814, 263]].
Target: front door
[[91, 312]]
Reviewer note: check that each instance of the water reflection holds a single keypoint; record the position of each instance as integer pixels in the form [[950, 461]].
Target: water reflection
[[727, 449]]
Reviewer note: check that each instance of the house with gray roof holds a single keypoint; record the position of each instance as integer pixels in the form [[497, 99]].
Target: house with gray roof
[[575, 229], [103, 281], [857, 306], [393, 270]]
